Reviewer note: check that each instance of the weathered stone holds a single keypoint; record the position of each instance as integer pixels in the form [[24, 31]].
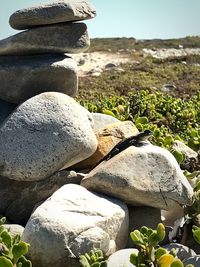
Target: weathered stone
[[140, 216], [5, 109], [121, 258], [68, 224], [182, 251], [57, 38], [50, 13], [191, 157], [195, 260], [102, 120], [14, 229], [147, 176], [18, 198], [44, 134], [25, 76], [170, 216], [107, 138]]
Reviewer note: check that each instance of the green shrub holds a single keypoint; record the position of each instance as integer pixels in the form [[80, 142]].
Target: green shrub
[[93, 259], [150, 253], [196, 233], [170, 118], [12, 249]]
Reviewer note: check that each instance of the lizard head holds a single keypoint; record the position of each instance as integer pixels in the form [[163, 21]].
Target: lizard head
[[146, 134]]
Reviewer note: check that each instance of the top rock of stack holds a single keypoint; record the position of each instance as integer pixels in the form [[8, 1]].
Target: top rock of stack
[[51, 13]]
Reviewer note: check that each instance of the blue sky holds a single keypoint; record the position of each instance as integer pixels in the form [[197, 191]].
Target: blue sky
[[142, 19]]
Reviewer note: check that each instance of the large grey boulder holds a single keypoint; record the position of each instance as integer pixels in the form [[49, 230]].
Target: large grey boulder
[[57, 38], [50, 13], [18, 198], [25, 76], [44, 134], [74, 221], [147, 176]]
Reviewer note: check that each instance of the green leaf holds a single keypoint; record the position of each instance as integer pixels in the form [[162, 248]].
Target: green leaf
[[159, 252], [108, 112], [154, 239], [2, 220], [168, 141], [196, 234], [137, 237], [83, 261], [144, 230], [178, 155], [177, 263], [24, 262], [19, 249], [6, 238], [161, 231], [141, 120], [134, 259], [4, 262]]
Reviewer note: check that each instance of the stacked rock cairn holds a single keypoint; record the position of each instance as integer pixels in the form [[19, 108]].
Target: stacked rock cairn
[[44, 132], [34, 61]]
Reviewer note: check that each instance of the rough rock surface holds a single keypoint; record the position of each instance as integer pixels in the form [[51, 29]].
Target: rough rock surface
[[57, 38], [146, 175], [69, 222], [43, 134], [25, 76], [14, 229], [107, 138], [102, 120], [182, 251], [50, 13], [191, 157], [170, 216], [195, 260], [18, 198]]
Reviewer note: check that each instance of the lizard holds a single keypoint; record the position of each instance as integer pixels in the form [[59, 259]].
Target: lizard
[[134, 140]]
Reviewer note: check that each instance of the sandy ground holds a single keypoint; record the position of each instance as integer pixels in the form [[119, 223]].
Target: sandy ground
[[94, 63]]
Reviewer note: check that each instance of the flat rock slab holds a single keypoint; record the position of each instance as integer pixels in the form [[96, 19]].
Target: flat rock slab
[[25, 76], [51, 13], [57, 38], [42, 135], [144, 176], [72, 222]]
